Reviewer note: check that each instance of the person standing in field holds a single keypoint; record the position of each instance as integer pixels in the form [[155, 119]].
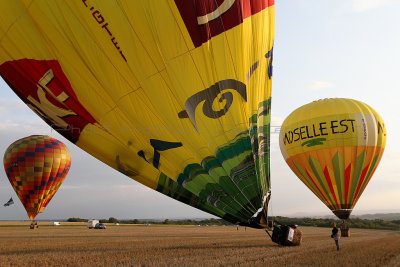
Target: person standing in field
[[335, 235]]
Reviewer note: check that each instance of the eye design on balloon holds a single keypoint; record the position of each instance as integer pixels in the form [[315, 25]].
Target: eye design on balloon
[[209, 95]]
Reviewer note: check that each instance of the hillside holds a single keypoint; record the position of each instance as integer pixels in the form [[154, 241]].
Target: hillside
[[379, 216]]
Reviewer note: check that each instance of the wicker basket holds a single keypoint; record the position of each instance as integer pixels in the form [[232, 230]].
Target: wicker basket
[[345, 232], [286, 235], [293, 237]]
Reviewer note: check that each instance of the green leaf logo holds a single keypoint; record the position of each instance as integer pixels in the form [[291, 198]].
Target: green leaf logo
[[314, 142]]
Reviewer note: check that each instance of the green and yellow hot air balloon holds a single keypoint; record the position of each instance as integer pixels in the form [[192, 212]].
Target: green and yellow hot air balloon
[[175, 94], [334, 146]]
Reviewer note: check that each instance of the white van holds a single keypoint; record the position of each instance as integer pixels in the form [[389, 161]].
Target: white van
[[92, 223]]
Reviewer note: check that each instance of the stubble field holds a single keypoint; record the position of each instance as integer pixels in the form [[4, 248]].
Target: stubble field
[[154, 245]]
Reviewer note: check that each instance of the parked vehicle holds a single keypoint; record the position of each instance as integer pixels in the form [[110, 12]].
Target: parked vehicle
[[92, 223], [99, 226]]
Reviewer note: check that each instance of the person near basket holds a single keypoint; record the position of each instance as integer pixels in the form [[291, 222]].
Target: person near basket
[[335, 235]]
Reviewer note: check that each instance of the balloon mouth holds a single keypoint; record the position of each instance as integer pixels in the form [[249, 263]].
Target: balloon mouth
[[32, 216], [260, 218], [32, 212], [343, 214]]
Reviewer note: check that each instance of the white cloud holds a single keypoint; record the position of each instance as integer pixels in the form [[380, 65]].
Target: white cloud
[[20, 126], [317, 85], [374, 200], [276, 121], [14, 107], [364, 5], [17, 120]]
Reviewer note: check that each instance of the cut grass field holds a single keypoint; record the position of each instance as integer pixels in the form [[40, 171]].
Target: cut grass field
[[73, 244]]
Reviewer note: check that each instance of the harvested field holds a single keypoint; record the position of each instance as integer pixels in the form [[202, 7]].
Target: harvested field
[[75, 245]]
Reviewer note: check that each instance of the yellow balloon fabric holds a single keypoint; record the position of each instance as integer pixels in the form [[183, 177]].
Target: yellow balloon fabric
[[173, 93], [334, 146], [36, 166]]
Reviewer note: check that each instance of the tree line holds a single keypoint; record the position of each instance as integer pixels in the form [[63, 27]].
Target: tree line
[[316, 222], [353, 223], [166, 221]]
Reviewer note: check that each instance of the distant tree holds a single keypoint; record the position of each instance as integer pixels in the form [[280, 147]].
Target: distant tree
[[112, 220], [316, 222], [353, 223], [76, 220]]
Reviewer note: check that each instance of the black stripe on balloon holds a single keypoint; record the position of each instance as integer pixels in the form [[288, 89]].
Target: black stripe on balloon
[[159, 145]]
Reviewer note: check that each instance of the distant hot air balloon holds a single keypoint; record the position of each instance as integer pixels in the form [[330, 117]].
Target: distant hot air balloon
[[334, 146], [174, 94], [9, 202], [36, 166]]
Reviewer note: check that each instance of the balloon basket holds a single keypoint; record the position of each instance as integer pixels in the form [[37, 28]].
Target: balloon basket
[[344, 229], [33, 225], [344, 232], [296, 239], [286, 235]]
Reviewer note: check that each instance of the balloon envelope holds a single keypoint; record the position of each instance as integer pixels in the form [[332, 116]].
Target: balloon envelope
[[334, 146], [174, 94], [36, 166]]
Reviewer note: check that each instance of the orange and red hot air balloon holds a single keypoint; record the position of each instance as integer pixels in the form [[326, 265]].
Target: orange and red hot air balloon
[[36, 166]]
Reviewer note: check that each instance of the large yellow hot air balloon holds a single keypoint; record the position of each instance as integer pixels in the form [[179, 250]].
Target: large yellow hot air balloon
[[334, 146], [173, 93], [36, 166]]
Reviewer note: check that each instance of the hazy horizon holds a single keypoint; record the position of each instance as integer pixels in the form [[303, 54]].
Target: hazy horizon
[[293, 215]]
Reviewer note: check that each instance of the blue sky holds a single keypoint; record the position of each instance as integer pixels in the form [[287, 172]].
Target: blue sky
[[323, 49]]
